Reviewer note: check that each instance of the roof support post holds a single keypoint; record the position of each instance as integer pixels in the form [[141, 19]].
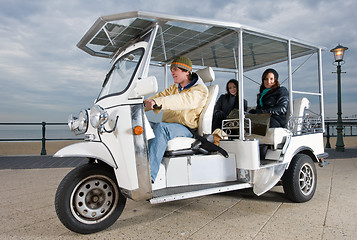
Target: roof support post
[[147, 55], [163, 43], [290, 76], [235, 63], [240, 85], [321, 90]]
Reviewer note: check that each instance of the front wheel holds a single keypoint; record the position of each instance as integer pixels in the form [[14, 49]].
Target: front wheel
[[88, 199], [300, 179]]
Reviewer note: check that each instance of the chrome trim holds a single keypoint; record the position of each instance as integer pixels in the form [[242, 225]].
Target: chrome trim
[[144, 192], [185, 195], [322, 155]]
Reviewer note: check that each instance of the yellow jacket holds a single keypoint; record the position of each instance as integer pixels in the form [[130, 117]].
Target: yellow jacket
[[182, 107]]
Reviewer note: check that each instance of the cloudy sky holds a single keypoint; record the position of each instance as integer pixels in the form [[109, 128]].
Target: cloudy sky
[[45, 77]]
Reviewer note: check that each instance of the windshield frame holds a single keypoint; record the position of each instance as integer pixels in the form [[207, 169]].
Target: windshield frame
[[109, 75]]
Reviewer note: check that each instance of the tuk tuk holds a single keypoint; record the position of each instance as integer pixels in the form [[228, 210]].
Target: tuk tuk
[[91, 197]]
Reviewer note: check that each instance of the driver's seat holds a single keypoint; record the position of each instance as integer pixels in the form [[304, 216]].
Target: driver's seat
[[182, 145]]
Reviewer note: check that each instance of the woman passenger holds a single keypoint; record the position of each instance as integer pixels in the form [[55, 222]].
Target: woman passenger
[[226, 103], [272, 98]]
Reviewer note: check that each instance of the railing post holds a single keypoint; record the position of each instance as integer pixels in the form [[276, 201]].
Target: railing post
[[333, 131], [43, 150], [328, 145]]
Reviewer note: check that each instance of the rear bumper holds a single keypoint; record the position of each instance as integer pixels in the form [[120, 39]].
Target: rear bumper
[[321, 158]]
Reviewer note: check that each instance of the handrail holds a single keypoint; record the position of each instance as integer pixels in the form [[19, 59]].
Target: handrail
[[43, 139], [330, 126], [347, 124]]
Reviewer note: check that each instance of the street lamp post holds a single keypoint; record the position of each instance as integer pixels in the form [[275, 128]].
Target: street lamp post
[[338, 53]]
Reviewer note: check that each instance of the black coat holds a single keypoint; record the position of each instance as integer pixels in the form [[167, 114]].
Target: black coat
[[276, 103], [224, 105]]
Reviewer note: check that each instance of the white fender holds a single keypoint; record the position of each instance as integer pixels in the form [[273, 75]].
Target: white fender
[[95, 150]]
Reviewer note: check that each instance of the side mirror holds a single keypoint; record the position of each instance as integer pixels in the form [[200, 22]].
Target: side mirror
[[144, 87]]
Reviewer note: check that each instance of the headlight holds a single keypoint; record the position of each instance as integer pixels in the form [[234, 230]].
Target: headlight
[[83, 121], [72, 122], [98, 116], [78, 125]]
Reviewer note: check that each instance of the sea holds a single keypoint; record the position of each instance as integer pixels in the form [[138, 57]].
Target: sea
[[34, 133]]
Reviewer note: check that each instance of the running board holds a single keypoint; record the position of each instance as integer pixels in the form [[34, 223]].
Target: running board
[[199, 193]]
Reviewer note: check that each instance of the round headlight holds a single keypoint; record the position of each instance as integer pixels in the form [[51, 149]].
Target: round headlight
[[83, 121], [98, 116], [72, 122]]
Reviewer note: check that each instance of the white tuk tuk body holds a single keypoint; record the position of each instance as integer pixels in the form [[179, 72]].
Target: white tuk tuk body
[[117, 130]]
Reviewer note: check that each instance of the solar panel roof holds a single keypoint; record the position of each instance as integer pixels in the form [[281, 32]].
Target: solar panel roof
[[206, 42]]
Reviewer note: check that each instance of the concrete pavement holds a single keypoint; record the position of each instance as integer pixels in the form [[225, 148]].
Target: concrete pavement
[[27, 209]]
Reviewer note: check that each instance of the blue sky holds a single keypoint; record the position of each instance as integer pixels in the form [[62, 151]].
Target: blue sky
[[45, 77]]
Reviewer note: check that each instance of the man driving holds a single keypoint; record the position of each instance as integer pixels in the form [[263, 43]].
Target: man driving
[[182, 104]]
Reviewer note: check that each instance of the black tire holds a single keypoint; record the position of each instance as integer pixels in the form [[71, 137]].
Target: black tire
[[300, 179], [88, 199]]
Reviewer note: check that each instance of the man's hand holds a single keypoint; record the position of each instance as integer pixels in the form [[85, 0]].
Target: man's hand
[[149, 104]]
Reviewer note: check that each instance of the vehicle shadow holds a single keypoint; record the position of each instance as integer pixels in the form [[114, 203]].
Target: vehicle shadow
[[348, 153], [276, 194]]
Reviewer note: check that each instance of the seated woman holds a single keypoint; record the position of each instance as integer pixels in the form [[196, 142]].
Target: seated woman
[[272, 98], [226, 103]]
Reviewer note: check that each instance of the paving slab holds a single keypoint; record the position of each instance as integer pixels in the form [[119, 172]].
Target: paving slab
[[27, 209]]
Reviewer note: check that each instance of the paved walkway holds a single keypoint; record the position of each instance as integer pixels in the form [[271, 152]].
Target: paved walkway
[[27, 208], [34, 162]]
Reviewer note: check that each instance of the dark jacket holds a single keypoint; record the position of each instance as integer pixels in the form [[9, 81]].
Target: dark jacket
[[276, 103], [224, 105]]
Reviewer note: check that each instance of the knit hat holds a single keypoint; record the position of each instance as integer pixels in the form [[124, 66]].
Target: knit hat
[[182, 62]]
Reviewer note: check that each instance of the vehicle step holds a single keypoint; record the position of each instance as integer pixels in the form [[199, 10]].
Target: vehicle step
[[184, 192]]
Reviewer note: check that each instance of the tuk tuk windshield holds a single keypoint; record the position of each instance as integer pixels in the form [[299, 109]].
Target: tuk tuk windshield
[[121, 74]]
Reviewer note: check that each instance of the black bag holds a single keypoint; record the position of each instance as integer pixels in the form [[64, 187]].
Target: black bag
[[260, 122]]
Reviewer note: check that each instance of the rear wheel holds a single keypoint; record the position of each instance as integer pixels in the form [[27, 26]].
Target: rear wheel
[[300, 180], [88, 199]]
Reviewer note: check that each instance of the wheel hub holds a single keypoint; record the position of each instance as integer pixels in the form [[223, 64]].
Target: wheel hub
[[306, 179], [93, 199]]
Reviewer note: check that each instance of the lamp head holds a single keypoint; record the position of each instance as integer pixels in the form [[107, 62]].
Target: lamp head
[[338, 52]]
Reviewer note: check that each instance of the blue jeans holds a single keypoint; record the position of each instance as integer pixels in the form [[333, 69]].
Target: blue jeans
[[164, 132]]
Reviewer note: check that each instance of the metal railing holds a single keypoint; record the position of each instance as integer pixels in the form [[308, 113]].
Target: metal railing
[[43, 139], [349, 129]]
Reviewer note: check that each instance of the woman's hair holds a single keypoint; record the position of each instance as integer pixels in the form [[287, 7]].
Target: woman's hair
[[276, 77], [227, 89]]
